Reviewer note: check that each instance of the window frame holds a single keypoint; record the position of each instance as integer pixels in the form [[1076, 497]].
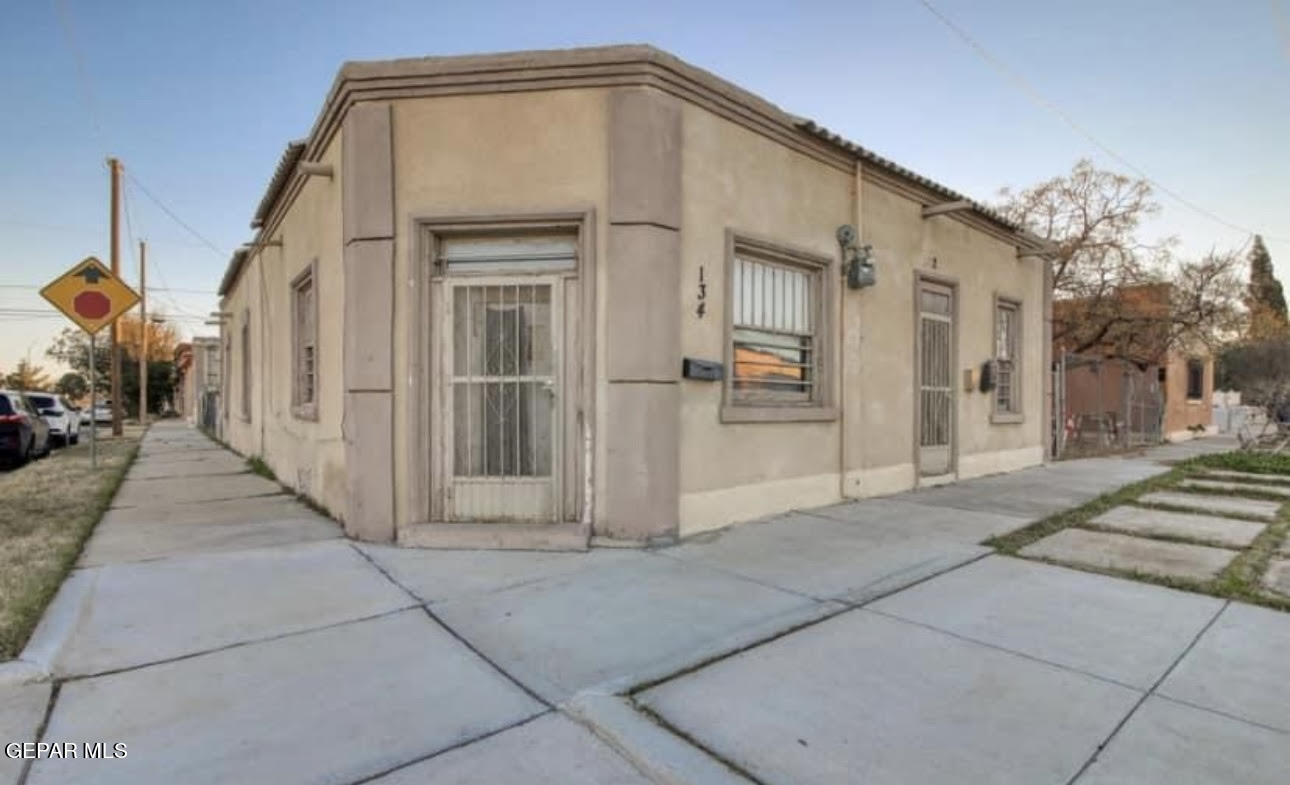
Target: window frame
[[1200, 363], [245, 350], [1017, 412], [300, 408], [820, 406]]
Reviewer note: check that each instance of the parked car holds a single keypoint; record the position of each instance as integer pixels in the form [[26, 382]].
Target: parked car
[[64, 427], [103, 413], [24, 434], [83, 416]]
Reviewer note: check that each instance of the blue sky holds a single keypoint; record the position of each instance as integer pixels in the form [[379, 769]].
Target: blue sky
[[198, 100]]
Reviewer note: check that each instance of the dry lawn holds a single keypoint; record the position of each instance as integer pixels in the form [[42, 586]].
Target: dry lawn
[[47, 510]]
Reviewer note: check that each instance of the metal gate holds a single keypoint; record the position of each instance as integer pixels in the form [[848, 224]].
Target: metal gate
[[935, 379], [502, 363]]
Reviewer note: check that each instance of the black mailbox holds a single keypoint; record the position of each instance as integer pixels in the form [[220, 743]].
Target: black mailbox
[[705, 370]]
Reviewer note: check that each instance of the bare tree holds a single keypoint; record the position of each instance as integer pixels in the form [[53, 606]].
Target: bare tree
[[1120, 291]]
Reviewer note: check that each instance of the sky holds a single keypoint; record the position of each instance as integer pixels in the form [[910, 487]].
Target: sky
[[198, 100]]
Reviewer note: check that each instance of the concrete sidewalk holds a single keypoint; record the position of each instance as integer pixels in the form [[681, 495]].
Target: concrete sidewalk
[[226, 633]]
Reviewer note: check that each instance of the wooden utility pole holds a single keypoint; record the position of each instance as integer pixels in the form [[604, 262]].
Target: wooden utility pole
[[114, 348], [143, 333]]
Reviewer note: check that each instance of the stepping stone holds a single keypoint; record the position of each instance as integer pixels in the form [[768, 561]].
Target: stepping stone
[[1195, 526], [1248, 508], [1231, 474], [1122, 552], [1236, 487], [1277, 578]]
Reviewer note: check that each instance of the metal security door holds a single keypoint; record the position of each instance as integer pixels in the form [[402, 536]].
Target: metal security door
[[935, 379], [502, 371]]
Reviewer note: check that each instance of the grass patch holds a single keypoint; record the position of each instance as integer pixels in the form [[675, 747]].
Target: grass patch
[[1245, 461], [257, 466], [1242, 578], [47, 510]]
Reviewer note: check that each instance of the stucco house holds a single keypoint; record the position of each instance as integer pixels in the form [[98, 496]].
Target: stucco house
[[1141, 378], [539, 299]]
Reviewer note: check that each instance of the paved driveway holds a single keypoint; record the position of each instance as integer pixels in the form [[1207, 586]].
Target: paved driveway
[[225, 633]]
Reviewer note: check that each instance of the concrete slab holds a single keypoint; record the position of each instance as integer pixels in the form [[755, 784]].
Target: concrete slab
[[334, 705], [626, 620], [134, 493], [1196, 526], [143, 533], [1037, 492], [829, 559], [136, 614], [1120, 630], [219, 463], [1230, 474], [1239, 667], [903, 516], [22, 709], [1237, 488], [1277, 578], [1122, 552], [439, 575], [148, 541], [1203, 502], [866, 698], [1172, 744], [550, 750], [1184, 450]]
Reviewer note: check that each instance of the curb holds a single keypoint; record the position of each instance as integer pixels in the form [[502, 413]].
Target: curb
[[662, 755], [56, 626]]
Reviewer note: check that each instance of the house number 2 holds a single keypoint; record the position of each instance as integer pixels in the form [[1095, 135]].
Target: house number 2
[[703, 295]]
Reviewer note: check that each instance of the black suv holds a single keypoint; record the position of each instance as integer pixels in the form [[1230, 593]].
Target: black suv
[[24, 434]]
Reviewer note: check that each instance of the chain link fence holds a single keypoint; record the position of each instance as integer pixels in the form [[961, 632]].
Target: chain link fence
[[1103, 405]]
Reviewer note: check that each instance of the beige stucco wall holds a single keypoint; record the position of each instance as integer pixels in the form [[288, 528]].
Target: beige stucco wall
[[306, 455], [494, 154], [733, 178], [983, 267]]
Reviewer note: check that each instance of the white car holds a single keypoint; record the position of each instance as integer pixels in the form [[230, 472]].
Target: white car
[[103, 413], [64, 424]]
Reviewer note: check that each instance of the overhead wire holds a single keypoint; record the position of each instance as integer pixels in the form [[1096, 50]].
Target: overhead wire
[[1024, 85]]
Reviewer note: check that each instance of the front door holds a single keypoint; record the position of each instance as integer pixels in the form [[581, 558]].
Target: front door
[[935, 379], [499, 400]]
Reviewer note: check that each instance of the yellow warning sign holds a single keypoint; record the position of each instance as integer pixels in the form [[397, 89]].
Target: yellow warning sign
[[90, 295]]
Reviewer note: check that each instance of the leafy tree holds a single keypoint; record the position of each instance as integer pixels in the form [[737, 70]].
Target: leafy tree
[[1260, 370], [27, 377], [1264, 298], [72, 386], [1092, 218], [72, 348]]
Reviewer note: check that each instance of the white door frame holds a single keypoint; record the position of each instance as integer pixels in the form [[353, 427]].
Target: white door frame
[[924, 280]]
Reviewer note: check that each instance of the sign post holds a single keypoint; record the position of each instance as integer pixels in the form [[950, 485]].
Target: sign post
[[92, 297]]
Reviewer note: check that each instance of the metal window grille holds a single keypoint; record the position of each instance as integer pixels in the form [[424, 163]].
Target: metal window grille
[[773, 332], [1006, 393], [305, 340]]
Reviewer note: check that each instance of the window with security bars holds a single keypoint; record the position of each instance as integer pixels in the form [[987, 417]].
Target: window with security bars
[[1007, 392], [774, 353], [305, 341]]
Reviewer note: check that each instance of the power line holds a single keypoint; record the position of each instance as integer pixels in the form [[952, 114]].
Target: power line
[[1021, 83], [130, 176], [83, 75], [151, 289]]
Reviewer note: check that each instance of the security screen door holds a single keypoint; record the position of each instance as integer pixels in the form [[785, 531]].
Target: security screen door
[[935, 382], [502, 371]]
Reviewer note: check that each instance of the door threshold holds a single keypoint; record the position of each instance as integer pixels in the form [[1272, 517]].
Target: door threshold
[[496, 536], [933, 480]]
